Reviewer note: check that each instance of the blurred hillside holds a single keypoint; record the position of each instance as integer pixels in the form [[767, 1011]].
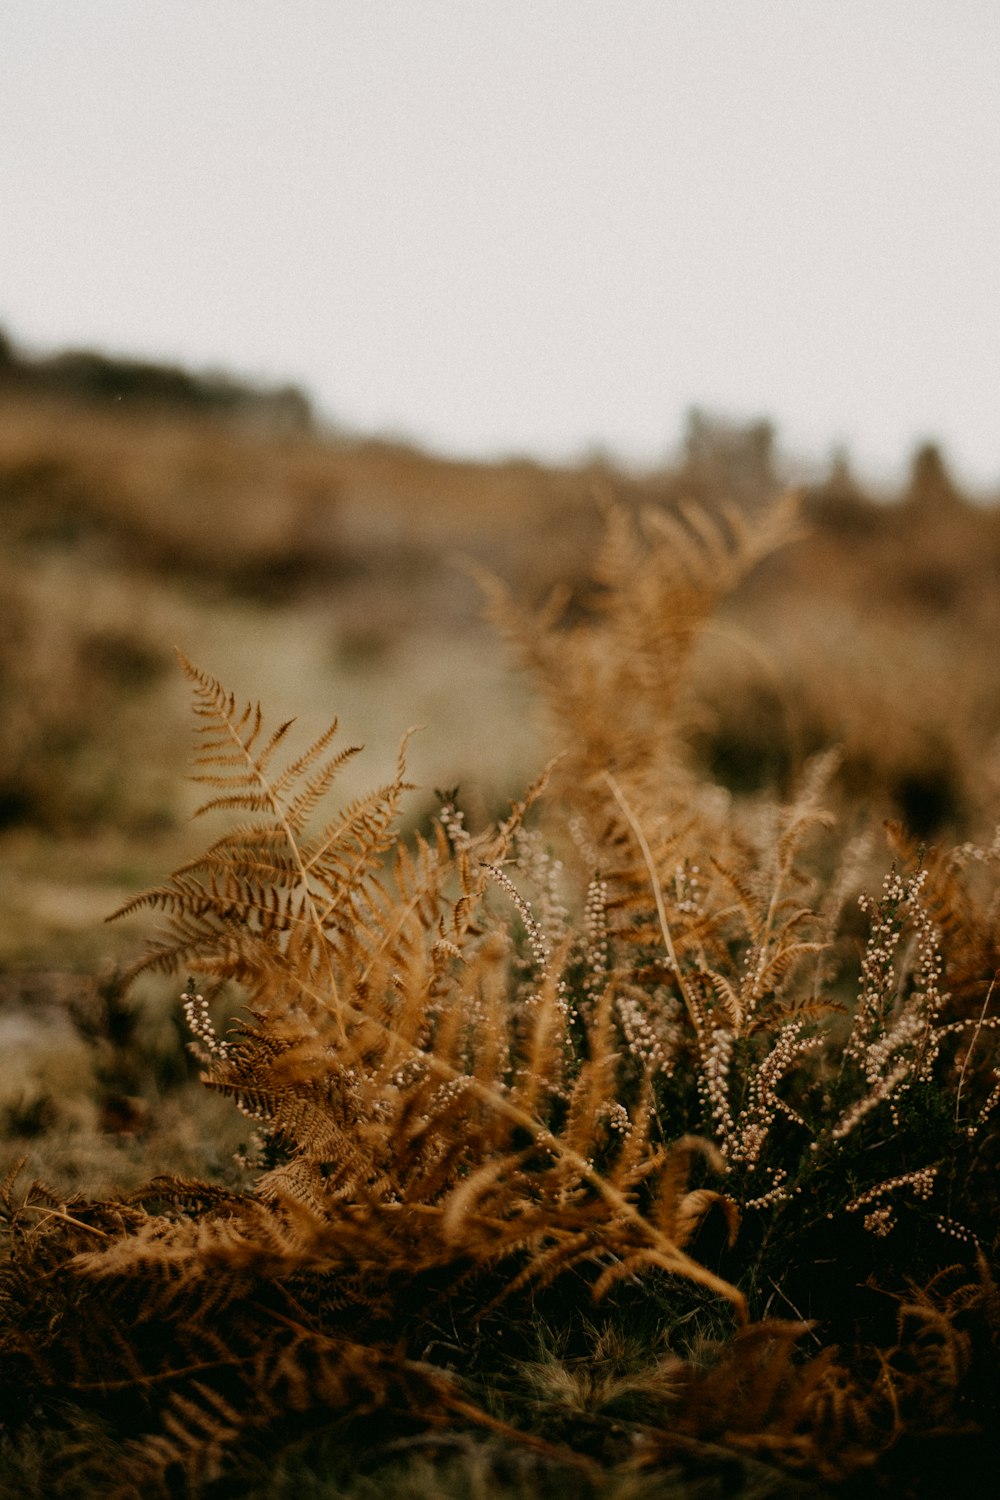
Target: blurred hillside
[[143, 509]]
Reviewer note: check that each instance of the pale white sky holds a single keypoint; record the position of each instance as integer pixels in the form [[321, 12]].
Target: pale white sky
[[525, 225]]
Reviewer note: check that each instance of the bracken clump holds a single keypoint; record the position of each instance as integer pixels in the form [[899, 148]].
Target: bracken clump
[[614, 1064]]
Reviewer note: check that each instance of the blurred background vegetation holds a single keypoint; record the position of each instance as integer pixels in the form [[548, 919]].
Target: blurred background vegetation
[[144, 508]]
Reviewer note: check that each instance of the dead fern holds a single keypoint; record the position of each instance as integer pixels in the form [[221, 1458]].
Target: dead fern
[[627, 1051]]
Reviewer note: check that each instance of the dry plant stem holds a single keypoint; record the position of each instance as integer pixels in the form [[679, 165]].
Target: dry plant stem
[[971, 1047], [528, 1440], [661, 910], [765, 935], [397, 926], [55, 1213], [145, 1382]]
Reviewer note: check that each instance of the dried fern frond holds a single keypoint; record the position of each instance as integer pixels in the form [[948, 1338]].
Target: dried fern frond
[[422, 1118], [611, 679]]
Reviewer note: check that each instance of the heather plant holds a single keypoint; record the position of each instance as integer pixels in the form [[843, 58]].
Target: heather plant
[[631, 1132]]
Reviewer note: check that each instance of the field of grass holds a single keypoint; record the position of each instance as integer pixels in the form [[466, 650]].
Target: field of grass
[[640, 1139]]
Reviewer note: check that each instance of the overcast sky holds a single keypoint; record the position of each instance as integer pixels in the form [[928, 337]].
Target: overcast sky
[[525, 225]]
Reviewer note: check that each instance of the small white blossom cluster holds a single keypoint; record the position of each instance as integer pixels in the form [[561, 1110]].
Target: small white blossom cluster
[[908, 1031], [713, 1083], [251, 1157], [408, 1074], [779, 1192], [977, 854], [991, 1103], [208, 1042], [252, 1108], [751, 982], [597, 953], [882, 1089], [450, 1090], [956, 1231], [452, 820], [764, 1103], [921, 1181], [618, 1119], [752, 989], [895, 1037], [689, 893], [881, 1221], [538, 938], [872, 1040], [927, 999], [650, 1027], [544, 872], [878, 966], [583, 842], [742, 1140]]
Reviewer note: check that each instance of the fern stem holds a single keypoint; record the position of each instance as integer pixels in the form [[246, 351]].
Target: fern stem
[[661, 910], [55, 1213], [971, 1046]]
